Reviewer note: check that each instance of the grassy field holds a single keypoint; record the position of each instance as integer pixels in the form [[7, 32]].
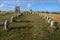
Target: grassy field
[[29, 27], [4, 17]]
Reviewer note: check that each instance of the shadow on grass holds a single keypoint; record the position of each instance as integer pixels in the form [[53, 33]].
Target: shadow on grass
[[26, 21], [22, 27]]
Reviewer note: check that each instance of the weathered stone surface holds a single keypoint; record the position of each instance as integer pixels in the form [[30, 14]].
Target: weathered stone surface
[[49, 21], [12, 19], [39, 14], [47, 18], [44, 17], [17, 9], [7, 25], [53, 25]]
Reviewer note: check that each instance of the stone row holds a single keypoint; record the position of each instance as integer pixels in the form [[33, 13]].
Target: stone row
[[52, 23], [13, 19]]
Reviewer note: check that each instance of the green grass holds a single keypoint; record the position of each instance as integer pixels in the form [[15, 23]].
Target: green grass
[[5, 17], [29, 27]]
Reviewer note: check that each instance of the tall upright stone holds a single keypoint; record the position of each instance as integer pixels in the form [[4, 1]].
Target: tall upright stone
[[12, 19], [44, 17], [53, 26], [17, 9], [7, 25], [30, 11], [49, 20], [39, 14]]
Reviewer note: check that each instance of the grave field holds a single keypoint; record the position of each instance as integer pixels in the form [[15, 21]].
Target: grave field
[[28, 27], [55, 17]]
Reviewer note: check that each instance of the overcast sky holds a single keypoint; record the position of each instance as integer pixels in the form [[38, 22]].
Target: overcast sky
[[35, 5]]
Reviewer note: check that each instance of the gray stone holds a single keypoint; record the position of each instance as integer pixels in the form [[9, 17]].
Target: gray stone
[[39, 14], [17, 9], [44, 17], [7, 25], [33, 13], [12, 19], [17, 15], [49, 20], [53, 25]]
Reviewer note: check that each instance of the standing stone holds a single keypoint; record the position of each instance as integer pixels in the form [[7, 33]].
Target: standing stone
[[33, 13], [30, 11], [39, 14], [12, 19], [53, 25], [17, 9], [7, 25], [17, 15], [49, 20], [36, 14], [44, 17], [20, 15], [26, 13]]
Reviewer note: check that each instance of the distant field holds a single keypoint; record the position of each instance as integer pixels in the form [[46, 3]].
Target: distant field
[[55, 17], [5, 16], [28, 27]]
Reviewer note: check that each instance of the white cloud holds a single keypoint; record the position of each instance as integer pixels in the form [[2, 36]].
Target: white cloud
[[29, 5], [1, 5], [18, 0]]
